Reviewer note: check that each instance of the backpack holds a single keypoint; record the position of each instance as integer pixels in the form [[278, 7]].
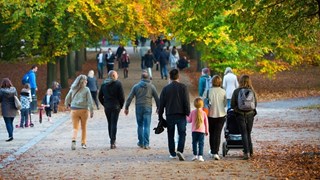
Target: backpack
[[246, 100], [25, 78], [208, 84]]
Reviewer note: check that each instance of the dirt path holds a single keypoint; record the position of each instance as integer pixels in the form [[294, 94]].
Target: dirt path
[[52, 158]]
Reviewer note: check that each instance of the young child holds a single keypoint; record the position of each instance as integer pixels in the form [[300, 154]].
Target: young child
[[199, 121], [56, 93], [25, 98], [47, 103]]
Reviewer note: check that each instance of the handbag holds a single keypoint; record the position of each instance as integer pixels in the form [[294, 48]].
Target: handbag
[[206, 104], [17, 103]]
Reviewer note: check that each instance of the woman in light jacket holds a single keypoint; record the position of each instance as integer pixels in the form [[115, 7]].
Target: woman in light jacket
[[217, 115], [8, 108], [80, 101]]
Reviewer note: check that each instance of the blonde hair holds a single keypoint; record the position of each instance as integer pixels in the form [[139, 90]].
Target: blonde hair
[[79, 82], [216, 81], [91, 73], [198, 103]]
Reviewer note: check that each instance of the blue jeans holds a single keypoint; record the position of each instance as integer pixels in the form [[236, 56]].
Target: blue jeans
[[197, 139], [163, 71], [228, 103], [181, 125], [143, 115], [112, 118], [100, 70], [245, 123], [9, 125], [24, 117]]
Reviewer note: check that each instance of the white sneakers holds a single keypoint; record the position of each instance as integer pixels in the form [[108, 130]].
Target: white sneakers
[[194, 158], [199, 158], [216, 157]]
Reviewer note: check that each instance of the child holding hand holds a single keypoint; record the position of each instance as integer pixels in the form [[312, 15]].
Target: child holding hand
[[47, 103], [199, 121]]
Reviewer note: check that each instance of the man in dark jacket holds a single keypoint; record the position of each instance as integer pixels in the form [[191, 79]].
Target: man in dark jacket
[[143, 91], [174, 99], [111, 96]]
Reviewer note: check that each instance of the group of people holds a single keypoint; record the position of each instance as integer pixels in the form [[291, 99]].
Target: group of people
[[7, 99], [108, 60], [173, 102], [224, 94]]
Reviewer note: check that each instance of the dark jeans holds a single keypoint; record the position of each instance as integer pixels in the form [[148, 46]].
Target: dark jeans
[[181, 125], [110, 67], [9, 125], [24, 117], [215, 128], [48, 111], [94, 97], [100, 70], [245, 123], [163, 71], [142, 63], [112, 118], [197, 140], [56, 101]]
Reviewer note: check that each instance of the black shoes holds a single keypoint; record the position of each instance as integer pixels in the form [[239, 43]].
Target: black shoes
[[10, 139]]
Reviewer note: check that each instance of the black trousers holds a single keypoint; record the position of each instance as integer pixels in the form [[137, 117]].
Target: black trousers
[[215, 128], [112, 118]]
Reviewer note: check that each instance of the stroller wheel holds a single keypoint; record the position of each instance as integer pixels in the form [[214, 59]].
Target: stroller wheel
[[31, 125], [224, 149], [17, 126]]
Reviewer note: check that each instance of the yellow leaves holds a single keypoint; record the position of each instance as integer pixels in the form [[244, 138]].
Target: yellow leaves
[[248, 38]]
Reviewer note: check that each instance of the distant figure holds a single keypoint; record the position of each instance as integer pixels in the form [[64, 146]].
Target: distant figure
[[143, 51], [8, 108], [135, 45], [163, 61], [100, 64], [174, 101], [93, 86], [149, 60], [199, 120], [125, 63], [110, 57], [244, 118], [47, 103], [143, 92], [119, 54], [111, 96], [80, 101], [56, 93], [204, 80], [173, 58], [230, 83]]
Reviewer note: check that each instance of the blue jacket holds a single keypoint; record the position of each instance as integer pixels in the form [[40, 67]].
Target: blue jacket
[[32, 79], [202, 84]]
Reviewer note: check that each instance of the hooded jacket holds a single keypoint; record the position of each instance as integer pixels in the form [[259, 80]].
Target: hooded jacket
[[8, 108], [111, 94], [143, 91]]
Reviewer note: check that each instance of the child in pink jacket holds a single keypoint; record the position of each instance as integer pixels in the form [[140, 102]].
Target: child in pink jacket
[[199, 121]]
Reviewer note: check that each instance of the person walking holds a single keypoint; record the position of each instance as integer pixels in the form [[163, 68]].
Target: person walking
[[199, 120], [56, 93], [80, 101], [47, 103], [119, 53], [125, 63], [149, 60], [143, 91], [143, 51], [174, 100], [230, 83], [163, 61], [110, 57], [111, 96], [204, 81], [216, 115], [8, 108], [93, 87], [100, 64], [245, 117]]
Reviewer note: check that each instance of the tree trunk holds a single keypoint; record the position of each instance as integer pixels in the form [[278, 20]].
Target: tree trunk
[[50, 73], [71, 64], [64, 71]]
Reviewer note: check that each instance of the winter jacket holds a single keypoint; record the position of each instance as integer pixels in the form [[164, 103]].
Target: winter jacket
[[111, 94], [149, 60], [8, 107], [144, 91], [32, 79], [174, 99], [45, 102], [25, 98], [202, 84], [230, 83]]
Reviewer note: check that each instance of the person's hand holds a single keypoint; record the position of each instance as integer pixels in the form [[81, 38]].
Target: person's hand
[[91, 115], [126, 112], [36, 89]]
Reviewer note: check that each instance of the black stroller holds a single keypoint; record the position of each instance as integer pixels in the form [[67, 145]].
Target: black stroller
[[232, 134]]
